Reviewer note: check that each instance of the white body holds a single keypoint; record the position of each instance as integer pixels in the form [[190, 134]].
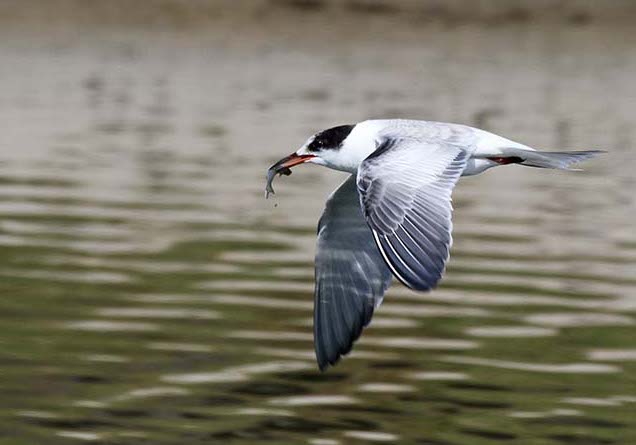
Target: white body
[[365, 137]]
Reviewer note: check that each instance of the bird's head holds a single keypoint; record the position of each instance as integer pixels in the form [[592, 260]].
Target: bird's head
[[330, 148], [340, 148]]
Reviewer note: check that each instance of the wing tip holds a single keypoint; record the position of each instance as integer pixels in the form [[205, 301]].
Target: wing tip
[[326, 358], [324, 365], [325, 362]]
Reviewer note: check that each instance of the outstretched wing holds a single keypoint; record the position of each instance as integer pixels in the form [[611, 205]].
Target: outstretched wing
[[405, 192], [351, 276]]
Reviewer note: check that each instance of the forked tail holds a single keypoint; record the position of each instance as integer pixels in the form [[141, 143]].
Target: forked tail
[[561, 160]]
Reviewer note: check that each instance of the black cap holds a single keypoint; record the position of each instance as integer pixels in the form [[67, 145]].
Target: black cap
[[330, 139]]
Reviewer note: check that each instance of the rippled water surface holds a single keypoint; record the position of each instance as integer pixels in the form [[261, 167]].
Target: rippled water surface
[[151, 295]]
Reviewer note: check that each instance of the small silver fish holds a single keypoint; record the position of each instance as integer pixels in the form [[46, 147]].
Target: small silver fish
[[282, 167], [274, 170]]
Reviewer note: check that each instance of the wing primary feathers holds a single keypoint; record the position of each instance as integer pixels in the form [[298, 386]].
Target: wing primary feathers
[[394, 218], [405, 191], [388, 262], [350, 276]]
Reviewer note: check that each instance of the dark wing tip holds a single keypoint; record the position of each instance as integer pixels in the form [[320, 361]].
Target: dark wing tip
[[324, 363], [334, 355], [328, 350]]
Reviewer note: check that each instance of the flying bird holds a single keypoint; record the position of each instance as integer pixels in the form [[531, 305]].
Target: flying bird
[[392, 216]]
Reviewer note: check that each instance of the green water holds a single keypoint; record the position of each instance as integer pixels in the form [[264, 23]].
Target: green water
[[151, 295]]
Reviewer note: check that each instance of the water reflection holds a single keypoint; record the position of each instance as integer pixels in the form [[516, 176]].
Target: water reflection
[[372, 436], [151, 294], [313, 400], [86, 436], [238, 373], [568, 368], [438, 375], [385, 388], [110, 326], [141, 312], [580, 320], [612, 355], [511, 331]]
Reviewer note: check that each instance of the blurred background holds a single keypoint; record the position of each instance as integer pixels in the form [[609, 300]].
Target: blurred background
[[149, 293]]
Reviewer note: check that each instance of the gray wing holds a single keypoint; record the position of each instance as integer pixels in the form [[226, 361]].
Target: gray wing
[[351, 276], [405, 192]]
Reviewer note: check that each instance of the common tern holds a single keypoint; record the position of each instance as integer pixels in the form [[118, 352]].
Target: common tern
[[392, 216]]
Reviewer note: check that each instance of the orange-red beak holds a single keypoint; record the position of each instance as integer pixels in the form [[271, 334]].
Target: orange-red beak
[[290, 161]]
